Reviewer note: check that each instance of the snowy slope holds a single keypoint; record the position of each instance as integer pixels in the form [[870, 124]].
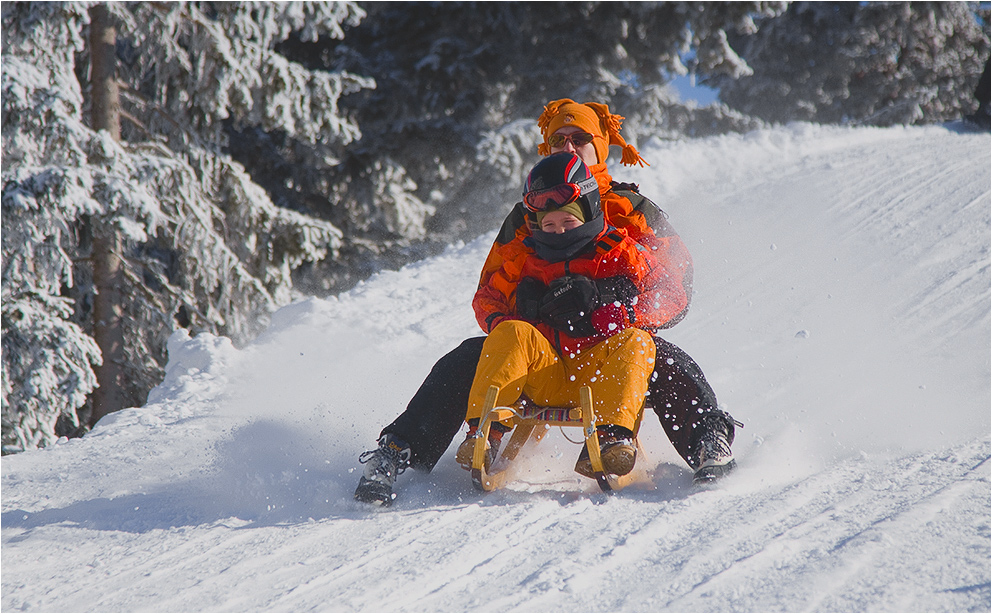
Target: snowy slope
[[841, 310]]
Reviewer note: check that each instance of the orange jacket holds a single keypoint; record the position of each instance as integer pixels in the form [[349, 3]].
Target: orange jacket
[[615, 254], [665, 293]]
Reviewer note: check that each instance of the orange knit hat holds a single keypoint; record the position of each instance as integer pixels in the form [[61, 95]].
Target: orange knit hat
[[594, 118]]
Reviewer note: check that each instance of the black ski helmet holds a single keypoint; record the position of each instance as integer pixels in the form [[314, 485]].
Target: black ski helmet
[[558, 180]]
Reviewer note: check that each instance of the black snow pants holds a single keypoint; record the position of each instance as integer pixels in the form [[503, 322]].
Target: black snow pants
[[678, 393]]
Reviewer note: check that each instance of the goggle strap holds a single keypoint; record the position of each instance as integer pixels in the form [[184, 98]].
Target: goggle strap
[[588, 185]]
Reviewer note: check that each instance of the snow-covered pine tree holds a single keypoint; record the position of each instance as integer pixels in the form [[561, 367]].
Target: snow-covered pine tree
[[879, 63], [450, 73], [210, 89], [203, 246]]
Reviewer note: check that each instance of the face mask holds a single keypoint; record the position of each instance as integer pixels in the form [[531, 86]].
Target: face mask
[[569, 244]]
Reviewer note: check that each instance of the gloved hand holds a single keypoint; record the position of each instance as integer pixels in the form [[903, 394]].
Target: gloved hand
[[616, 289], [569, 303], [530, 291], [572, 302]]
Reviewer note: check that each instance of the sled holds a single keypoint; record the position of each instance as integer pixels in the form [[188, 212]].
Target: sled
[[526, 417]]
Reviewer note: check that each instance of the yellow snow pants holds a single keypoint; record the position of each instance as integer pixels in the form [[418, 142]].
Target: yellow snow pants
[[520, 360]]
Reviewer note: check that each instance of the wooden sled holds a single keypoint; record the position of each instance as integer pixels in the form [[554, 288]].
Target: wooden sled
[[526, 417]]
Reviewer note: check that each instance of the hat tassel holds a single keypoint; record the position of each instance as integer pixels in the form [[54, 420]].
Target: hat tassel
[[631, 157]]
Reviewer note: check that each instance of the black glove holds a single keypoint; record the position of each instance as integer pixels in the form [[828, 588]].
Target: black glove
[[616, 289], [530, 291], [568, 303]]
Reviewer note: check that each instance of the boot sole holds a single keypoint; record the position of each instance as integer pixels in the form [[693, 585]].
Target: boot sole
[[712, 473], [376, 493]]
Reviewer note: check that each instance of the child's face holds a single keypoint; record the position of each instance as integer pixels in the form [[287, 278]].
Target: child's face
[[557, 222]]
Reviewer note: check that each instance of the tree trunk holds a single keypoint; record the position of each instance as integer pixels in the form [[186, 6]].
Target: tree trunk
[[107, 302]]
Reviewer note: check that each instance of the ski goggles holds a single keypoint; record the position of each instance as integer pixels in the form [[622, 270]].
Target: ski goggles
[[558, 196], [578, 139]]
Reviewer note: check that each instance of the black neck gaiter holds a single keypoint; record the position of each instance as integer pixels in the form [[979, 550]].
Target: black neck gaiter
[[567, 245]]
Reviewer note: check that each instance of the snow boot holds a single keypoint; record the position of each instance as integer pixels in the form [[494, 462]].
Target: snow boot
[[382, 465], [616, 449], [467, 448], [712, 458]]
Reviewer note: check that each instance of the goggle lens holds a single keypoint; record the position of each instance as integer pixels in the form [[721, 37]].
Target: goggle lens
[[552, 198]]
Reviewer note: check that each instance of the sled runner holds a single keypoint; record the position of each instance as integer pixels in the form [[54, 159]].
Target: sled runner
[[526, 418]]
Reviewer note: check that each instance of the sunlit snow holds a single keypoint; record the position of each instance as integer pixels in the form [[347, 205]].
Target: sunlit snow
[[841, 311]]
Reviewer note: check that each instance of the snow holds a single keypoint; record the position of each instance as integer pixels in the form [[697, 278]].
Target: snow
[[841, 311]]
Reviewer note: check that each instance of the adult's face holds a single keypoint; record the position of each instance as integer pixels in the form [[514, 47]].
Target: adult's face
[[586, 153]]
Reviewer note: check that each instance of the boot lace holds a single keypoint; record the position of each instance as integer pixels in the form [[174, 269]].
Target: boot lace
[[385, 462], [714, 443]]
